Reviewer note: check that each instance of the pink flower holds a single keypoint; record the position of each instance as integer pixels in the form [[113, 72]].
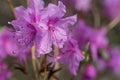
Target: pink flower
[[27, 33], [78, 4], [96, 38], [89, 73], [83, 5], [82, 32], [114, 60], [42, 27], [5, 74], [3, 49], [54, 29], [97, 41], [71, 55], [111, 8], [9, 46]]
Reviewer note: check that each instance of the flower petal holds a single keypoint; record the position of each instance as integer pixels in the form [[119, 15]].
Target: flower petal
[[45, 44]]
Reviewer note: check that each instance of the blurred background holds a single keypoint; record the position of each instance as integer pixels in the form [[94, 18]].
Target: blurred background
[[96, 17]]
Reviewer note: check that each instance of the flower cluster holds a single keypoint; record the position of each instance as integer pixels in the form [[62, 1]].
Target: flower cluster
[[48, 30], [41, 26]]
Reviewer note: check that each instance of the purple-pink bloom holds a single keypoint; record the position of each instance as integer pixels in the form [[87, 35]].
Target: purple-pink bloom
[[3, 46], [27, 33], [96, 38], [5, 74], [42, 27], [101, 65], [114, 60], [83, 5], [33, 12], [82, 32], [78, 4], [89, 73], [97, 41], [71, 55], [111, 8], [9, 46], [53, 28]]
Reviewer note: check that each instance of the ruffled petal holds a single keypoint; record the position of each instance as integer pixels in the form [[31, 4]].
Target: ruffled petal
[[18, 11], [45, 44], [60, 36], [93, 49], [36, 5], [74, 62], [53, 10], [67, 21]]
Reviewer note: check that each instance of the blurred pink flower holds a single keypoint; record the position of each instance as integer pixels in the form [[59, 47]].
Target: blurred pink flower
[[114, 60], [9, 46], [78, 4], [83, 5], [89, 73], [71, 55], [5, 74], [96, 38], [111, 8]]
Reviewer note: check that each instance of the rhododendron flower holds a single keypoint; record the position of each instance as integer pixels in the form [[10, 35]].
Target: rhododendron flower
[[54, 28], [101, 65], [3, 50], [71, 55], [78, 31], [89, 73], [95, 38], [78, 4], [26, 32], [114, 60], [5, 74], [111, 8], [83, 5], [9, 46], [42, 27], [97, 41]]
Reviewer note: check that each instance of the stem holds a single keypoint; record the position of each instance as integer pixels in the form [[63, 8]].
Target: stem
[[113, 23], [72, 77], [25, 67], [11, 8], [34, 62], [27, 1], [55, 76], [96, 14], [45, 67]]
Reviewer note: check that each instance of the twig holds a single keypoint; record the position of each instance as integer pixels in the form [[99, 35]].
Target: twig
[[72, 77], [34, 62], [113, 23], [96, 14], [55, 76], [45, 67], [25, 67], [27, 1], [11, 8]]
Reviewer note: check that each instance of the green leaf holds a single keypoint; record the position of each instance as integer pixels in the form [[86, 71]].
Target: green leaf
[[104, 54], [86, 48]]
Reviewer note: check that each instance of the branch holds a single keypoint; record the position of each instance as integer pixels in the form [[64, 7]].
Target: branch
[[45, 67], [113, 23], [34, 62], [11, 8]]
